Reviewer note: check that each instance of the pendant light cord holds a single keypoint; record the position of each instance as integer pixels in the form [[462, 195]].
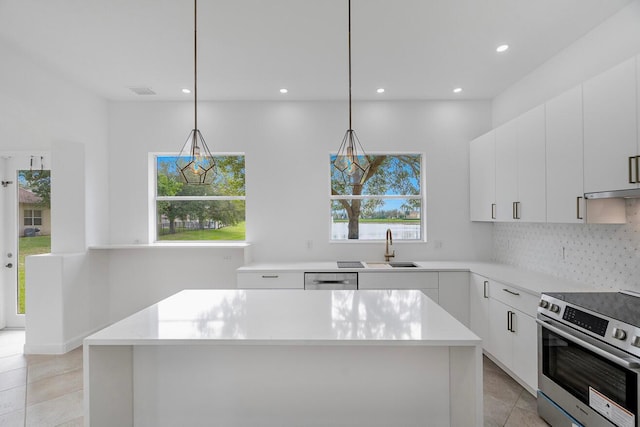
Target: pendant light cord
[[195, 63], [350, 127]]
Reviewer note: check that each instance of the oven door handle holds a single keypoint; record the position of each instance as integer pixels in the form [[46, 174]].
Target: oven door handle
[[615, 359]]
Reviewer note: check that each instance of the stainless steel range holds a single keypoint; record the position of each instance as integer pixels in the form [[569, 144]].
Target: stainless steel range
[[589, 359]]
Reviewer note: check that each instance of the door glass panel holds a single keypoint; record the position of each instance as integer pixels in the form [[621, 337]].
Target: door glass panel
[[34, 223]]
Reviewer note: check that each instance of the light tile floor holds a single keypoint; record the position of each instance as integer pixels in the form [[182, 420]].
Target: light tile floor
[[46, 391], [506, 403]]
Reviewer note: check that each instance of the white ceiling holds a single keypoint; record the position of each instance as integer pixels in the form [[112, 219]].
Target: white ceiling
[[249, 49]]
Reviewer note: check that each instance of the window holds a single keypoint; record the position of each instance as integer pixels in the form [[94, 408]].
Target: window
[[32, 217], [391, 197], [200, 212]]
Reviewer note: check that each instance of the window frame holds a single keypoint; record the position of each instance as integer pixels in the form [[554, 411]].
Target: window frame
[[32, 217], [422, 197], [154, 199]]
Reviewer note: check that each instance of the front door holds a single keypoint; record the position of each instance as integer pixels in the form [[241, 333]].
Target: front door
[[24, 230]]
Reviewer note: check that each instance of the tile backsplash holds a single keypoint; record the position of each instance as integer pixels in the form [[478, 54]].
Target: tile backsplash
[[604, 256]]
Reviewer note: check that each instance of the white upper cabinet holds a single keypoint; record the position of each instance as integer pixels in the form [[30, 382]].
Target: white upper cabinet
[[506, 171], [520, 168], [531, 203], [565, 190], [544, 161], [482, 176], [610, 129]]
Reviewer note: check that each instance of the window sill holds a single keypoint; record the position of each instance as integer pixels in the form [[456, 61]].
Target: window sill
[[174, 245]]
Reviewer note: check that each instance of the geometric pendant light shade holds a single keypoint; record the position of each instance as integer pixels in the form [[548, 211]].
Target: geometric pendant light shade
[[195, 161], [351, 159]]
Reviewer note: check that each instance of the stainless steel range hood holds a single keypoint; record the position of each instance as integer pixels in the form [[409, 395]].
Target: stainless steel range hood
[[626, 194]]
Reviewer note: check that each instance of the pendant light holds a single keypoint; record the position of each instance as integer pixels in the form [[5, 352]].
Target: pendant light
[[195, 161], [351, 160]]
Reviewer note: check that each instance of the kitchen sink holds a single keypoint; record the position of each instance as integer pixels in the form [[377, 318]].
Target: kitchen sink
[[392, 264], [402, 264]]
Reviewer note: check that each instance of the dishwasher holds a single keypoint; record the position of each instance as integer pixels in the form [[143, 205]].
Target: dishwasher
[[331, 281]]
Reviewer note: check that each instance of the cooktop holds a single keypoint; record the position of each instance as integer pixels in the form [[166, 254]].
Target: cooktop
[[623, 306]]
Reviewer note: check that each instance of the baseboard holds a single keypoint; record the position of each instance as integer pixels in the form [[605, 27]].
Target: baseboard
[[61, 348]]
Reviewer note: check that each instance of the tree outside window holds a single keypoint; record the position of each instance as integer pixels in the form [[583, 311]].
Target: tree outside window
[[201, 212], [389, 197]]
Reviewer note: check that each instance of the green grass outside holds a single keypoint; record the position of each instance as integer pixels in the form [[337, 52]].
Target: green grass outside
[[29, 246], [232, 232]]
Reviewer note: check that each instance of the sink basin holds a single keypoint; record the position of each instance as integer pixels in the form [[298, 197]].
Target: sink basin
[[392, 264], [402, 264]]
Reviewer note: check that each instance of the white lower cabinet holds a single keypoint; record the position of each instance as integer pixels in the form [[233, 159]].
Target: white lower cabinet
[[427, 282], [453, 294], [397, 280], [503, 316], [479, 307], [432, 293], [450, 289], [271, 280], [525, 349], [500, 337]]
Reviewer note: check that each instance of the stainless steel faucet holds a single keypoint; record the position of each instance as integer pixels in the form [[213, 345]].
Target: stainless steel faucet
[[389, 239]]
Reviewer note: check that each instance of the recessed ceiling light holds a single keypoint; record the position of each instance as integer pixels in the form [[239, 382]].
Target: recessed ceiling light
[[283, 90], [457, 90], [380, 90], [502, 48], [185, 90]]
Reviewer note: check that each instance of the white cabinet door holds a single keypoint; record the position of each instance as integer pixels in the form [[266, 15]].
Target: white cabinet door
[[513, 335], [479, 307], [525, 349], [431, 293], [506, 171], [482, 177], [565, 188], [500, 338], [610, 129], [531, 200], [270, 280], [453, 294], [398, 280]]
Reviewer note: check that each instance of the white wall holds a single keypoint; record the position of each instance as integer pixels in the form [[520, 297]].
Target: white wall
[[141, 276], [287, 146], [39, 107], [610, 43], [67, 299], [40, 111]]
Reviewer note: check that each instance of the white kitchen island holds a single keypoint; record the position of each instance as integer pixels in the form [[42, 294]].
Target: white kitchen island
[[285, 358]]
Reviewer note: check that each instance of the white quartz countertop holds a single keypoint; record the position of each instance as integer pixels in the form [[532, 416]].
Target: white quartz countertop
[[367, 266], [525, 280], [292, 317]]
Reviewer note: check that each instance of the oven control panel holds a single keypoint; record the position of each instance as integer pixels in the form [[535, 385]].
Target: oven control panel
[[614, 332], [569, 314], [586, 321]]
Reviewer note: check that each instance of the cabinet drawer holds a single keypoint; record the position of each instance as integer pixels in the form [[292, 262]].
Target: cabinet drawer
[[399, 280], [514, 297], [271, 280]]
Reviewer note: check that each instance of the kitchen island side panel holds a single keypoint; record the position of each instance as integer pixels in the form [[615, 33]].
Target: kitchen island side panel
[[282, 385]]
